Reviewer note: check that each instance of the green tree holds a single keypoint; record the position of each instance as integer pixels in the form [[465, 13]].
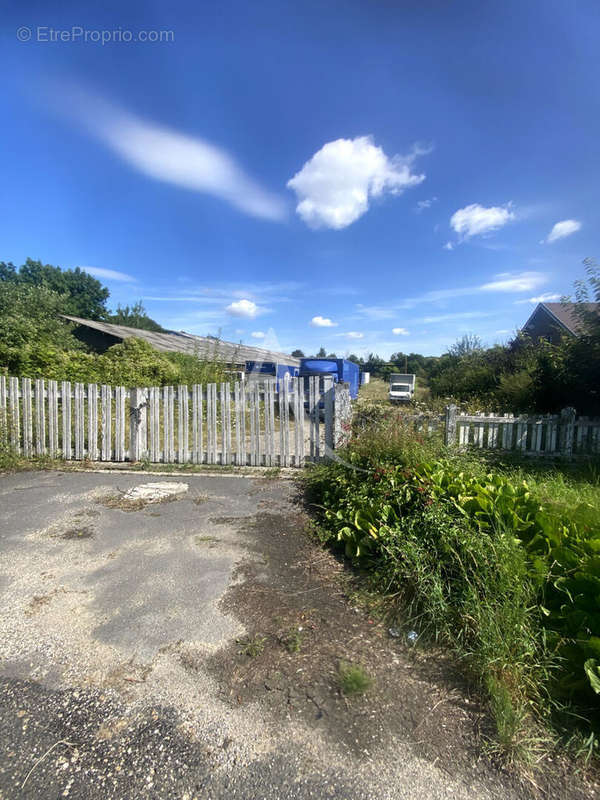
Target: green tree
[[134, 316], [83, 295], [297, 354], [322, 353]]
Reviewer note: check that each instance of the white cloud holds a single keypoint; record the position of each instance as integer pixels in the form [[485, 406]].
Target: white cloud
[[503, 331], [334, 187], [258, 334], [399, 331], [547, 297], [562, 229], [322, 322], [354, 335], [109, 274], [448, 246], [515, 282], [475, 219], [170, 156], [459, 315], [423, 205], [244, 308]]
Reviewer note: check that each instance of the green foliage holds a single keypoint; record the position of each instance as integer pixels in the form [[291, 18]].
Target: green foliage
[[504, 571], [353, 679], [134, 317], [83, 295]]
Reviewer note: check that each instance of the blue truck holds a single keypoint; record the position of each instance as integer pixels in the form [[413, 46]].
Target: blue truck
[[269, 369], [342, 370]]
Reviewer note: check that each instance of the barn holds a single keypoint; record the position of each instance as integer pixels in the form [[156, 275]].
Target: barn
[[99, 336]]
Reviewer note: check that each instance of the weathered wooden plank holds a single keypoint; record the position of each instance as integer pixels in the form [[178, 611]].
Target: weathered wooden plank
[[196, 441], [92, 422], [168, 425], [284, 421], [315, 432], [328, 397], [521, 436], [120, 423], [242, 438], [236, 411], [182, 424], [106, 422], [65, 403], [225, 424], [492, 432], [78, 413], [3, 411], [14, 417], [463, 431], [27, 417], [252, 414], [269, 388], [259, 440], [52, 418], [211, 423], [507, 432], [298, 392], [40, 418]]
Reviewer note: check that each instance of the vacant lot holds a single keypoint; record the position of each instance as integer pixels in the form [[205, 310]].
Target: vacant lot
[[191, 648]]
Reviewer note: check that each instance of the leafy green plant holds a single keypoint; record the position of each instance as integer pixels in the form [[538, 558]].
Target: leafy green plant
[[353, 679]]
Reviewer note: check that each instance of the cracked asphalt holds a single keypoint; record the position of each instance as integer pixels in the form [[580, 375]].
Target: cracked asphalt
[[113, 620]]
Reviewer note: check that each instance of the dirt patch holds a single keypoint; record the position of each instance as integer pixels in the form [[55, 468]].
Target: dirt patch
[[303, 631], [77, 533], [123, 503]]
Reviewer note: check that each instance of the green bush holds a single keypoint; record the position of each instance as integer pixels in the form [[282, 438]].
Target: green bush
[[478, 560]]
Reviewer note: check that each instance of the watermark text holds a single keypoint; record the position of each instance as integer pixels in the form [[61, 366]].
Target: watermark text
[[77, 34]]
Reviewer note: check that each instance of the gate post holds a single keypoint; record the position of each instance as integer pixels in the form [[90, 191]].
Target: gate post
[[329, 411], [342, 414], [138, 405], [450, 432], [567, 431]]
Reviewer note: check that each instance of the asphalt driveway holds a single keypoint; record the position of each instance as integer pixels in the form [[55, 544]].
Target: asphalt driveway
[[146, 654]]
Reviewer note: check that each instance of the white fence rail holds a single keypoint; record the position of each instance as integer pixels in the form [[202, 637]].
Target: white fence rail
[[563, 434], [247, 423]]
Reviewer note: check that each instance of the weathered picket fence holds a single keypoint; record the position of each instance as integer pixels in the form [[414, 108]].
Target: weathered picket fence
[[246, 423], [563, 434]]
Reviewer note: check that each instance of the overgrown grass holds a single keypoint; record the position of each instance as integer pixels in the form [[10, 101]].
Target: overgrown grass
[[497, 561]]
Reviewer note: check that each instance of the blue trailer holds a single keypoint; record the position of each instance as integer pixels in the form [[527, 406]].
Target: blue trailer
[[269, 369], [342, 371]]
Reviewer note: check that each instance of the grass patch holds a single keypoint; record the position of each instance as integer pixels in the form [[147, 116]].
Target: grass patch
[[252, 647], [292, 640], [353, 680]]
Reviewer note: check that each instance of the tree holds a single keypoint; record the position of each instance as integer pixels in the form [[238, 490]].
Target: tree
[[322, 353], [134, 317], [83, 295], [297, 354], [470, 343]]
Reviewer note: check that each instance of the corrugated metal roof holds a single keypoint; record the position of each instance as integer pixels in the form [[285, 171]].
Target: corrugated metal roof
[[181, 342]]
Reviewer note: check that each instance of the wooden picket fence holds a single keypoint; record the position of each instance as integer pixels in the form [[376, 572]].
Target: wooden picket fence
[[244, 424], [563, 434]]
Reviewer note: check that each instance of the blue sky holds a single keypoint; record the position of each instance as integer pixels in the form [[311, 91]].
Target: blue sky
[[366, 176]]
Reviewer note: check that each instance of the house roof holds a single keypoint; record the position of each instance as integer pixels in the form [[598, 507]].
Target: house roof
[[564, 314], [181, 342]]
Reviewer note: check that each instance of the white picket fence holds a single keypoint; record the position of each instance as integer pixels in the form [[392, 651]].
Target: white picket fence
[[246, 423], [563, 434]]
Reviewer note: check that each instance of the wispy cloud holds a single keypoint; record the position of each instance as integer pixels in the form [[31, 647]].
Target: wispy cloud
[[400, 332], [455, 316], [448, 246], [109, 274], [423, 205], [334, 187], [171, 156], [258, 334], [547, 297], [503, 282], [322, 322], [562, 229]]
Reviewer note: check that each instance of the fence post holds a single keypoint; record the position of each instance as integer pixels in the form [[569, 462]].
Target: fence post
[[138, 404], [450, 432], [567, 431], [328, 403], [342, 414]]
